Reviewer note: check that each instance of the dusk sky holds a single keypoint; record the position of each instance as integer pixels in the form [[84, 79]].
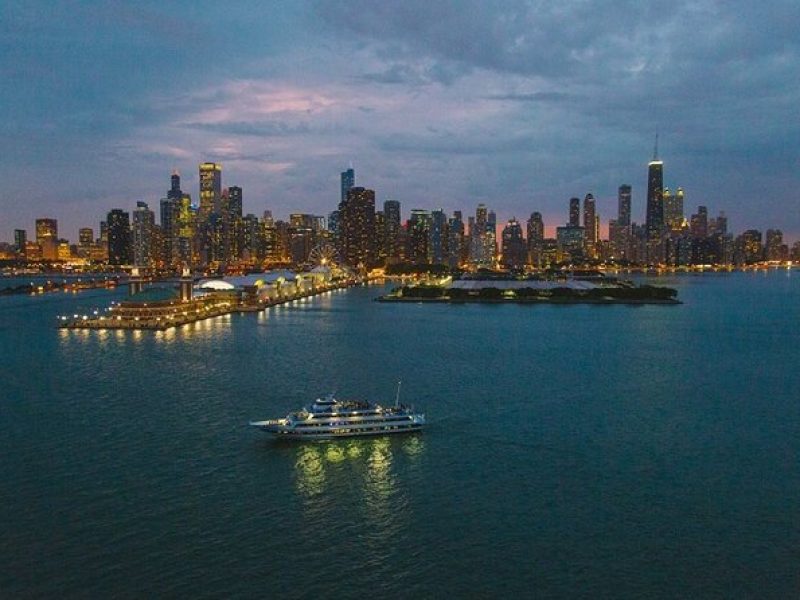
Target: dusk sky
[[519, 105]]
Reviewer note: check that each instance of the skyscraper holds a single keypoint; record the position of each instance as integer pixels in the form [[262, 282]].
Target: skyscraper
[[210, 189], [654, 219], [143, 224], [46, 229], [624, 205], [357, 227], [391, 215], [119, 237], [20, 240], [419, 236], [439, 241], [574, 212], [589, 220], [535, 228], [175, 192], [514, 252], [348, 182]]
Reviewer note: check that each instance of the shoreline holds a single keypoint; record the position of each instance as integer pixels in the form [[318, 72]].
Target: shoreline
[[476, 300]]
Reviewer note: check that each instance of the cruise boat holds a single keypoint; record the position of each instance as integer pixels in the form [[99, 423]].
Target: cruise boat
[[329, 418]]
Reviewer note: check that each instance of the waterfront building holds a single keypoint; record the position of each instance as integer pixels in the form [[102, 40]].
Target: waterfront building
[[774, 248], [571, 242], [20, 240], [357, 227], [514, 251], [142, 238], [119, 237], [46, 230], [751, 248], [33, 251]]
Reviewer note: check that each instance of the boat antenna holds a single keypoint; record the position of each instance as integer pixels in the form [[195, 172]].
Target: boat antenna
[[397, 397]]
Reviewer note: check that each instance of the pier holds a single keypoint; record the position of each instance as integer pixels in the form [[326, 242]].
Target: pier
[[161, 308]]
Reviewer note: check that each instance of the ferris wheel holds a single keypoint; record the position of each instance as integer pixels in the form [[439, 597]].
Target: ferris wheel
[[324, 254]]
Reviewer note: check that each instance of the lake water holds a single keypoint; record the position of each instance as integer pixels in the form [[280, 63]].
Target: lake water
[[573, 451]]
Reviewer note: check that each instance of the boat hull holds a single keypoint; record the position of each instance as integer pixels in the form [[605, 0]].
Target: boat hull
[[284, 433]]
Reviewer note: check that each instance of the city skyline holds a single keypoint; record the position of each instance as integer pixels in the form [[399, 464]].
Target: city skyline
[[515, 106]]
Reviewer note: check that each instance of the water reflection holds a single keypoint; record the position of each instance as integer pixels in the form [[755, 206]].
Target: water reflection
[[369, 465]]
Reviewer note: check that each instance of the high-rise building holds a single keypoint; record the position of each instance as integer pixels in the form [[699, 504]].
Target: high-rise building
[[210, 189], [589, 220], [719, 225], [571, 242], [751, 248], [46, 229], [419, 237], [699, 223], [774, 248], [654, 218], [357, 227], [455, 243], [119, 237], [624, 205], [348, 182], [175, 192], [439, 240], [391, 216], [514, 251], [142, 230], [85, 236], [574, 212], [673, 208], [20, 240], [535, 228], [232, 224]]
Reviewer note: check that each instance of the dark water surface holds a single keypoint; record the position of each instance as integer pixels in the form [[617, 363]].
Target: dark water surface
[[573, 451]]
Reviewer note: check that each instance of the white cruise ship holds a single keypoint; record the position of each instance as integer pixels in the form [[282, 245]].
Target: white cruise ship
[[330, 418]]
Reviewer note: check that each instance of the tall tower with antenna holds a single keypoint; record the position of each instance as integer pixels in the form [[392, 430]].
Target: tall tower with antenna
[[654, 218]]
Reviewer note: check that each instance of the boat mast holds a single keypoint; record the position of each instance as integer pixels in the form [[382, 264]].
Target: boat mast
[[397, 397]]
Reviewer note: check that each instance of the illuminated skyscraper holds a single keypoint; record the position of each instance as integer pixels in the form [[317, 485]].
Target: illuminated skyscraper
[[357, 227], [439, 241], [514, 252], [391, 215], [654, 219], [119, 237], [419, 236], [210, 189], [589, 220], [46, 230], [143, 225], [535, 227]]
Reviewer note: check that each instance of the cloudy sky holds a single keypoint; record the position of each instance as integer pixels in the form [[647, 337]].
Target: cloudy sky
[[519, 105]]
